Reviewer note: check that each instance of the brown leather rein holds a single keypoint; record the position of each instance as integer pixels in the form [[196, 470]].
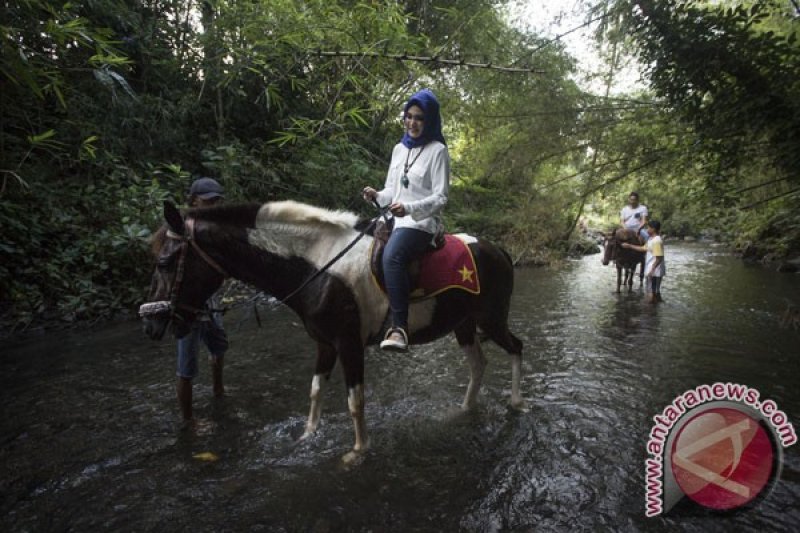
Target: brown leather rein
[[193, 242]]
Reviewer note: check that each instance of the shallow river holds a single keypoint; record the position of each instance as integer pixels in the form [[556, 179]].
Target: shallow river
[[91, 437]]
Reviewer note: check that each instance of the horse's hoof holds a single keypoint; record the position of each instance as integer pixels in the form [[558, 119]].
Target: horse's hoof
[[520, 405], [353, 458]]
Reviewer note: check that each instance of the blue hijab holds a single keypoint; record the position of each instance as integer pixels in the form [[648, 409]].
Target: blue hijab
[[432, 130]]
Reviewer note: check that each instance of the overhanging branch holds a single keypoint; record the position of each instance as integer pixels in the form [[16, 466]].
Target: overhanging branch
[[787, 193], [431, 59]]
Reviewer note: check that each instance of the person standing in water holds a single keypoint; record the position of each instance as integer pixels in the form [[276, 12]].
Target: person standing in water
[[654, 268], [204, 192]]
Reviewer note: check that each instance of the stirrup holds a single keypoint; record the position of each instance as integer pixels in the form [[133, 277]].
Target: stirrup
[[393, 345]]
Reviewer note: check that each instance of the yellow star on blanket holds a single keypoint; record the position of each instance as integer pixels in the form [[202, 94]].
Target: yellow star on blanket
[[466, 274]]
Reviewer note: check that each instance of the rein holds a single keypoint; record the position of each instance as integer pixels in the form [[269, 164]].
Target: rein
[[191, 240], [382, 213], [188, 240]]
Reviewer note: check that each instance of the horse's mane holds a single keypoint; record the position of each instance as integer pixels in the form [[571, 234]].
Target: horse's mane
[[232, 214], [260, 215], [291, 212]]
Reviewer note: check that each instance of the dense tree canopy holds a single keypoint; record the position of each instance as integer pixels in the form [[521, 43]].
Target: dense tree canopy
[[726, 78]]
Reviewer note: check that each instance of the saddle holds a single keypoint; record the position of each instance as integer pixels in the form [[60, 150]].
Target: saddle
[[628, 235], [448, 263]]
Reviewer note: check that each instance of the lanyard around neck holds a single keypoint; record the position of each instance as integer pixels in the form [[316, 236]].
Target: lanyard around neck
[[406, 166]]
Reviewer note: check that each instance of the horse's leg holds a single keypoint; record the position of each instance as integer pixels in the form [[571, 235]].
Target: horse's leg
[[619, 278], [498, 275], [326, 360], [351, 353], [500, 334], [465, 334]]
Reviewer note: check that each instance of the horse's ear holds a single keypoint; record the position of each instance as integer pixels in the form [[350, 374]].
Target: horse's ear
[[173, 217]]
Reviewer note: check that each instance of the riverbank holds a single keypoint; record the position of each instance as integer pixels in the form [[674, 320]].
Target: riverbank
[[786, 262]]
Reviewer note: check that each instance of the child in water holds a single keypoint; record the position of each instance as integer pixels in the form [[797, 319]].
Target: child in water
[[654, 262]]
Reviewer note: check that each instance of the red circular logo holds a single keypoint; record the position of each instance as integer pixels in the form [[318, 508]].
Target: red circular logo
[[722, 458]]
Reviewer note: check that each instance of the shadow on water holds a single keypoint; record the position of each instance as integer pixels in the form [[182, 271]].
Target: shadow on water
[[91, 437]]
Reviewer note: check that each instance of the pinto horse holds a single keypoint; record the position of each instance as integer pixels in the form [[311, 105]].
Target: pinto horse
[[277, 247], [625, 259]]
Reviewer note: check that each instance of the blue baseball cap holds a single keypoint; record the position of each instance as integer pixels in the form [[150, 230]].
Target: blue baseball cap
[[206, 188]]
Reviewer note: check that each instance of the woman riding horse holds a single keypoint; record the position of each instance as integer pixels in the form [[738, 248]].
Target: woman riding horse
[[416, 191]]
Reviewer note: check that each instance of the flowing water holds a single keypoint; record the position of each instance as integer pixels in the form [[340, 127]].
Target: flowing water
[[91, 437]]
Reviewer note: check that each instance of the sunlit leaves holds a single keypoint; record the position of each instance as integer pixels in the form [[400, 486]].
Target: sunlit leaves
[[729, 75]]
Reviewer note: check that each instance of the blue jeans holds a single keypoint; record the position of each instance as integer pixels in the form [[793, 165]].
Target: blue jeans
[[213, 336], [404, 246]]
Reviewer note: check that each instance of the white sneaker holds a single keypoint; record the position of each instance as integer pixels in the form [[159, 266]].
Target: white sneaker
[[392, 343]]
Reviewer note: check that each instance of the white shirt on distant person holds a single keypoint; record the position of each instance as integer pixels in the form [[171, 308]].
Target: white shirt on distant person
[[632, 217]]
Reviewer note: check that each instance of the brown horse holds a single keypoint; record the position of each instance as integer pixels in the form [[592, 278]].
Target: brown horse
[[624, 259], [277, 247]]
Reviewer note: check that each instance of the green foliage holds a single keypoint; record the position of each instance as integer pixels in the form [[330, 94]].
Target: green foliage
[[722, 71], [724, 120], [68, 257]]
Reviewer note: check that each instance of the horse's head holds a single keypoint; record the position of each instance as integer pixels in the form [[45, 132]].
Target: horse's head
[[609, 246], [184, 278]]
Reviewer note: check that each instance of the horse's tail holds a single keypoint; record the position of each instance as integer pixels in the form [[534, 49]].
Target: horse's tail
[[497, 284]]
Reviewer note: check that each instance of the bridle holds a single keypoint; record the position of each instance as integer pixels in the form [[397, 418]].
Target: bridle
[[610, 241], [171, 304]]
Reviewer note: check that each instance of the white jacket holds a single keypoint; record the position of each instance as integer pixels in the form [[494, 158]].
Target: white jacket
[[428, 187]]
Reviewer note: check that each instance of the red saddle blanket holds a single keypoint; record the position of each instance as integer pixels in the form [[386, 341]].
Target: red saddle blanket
[[450, 267]]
